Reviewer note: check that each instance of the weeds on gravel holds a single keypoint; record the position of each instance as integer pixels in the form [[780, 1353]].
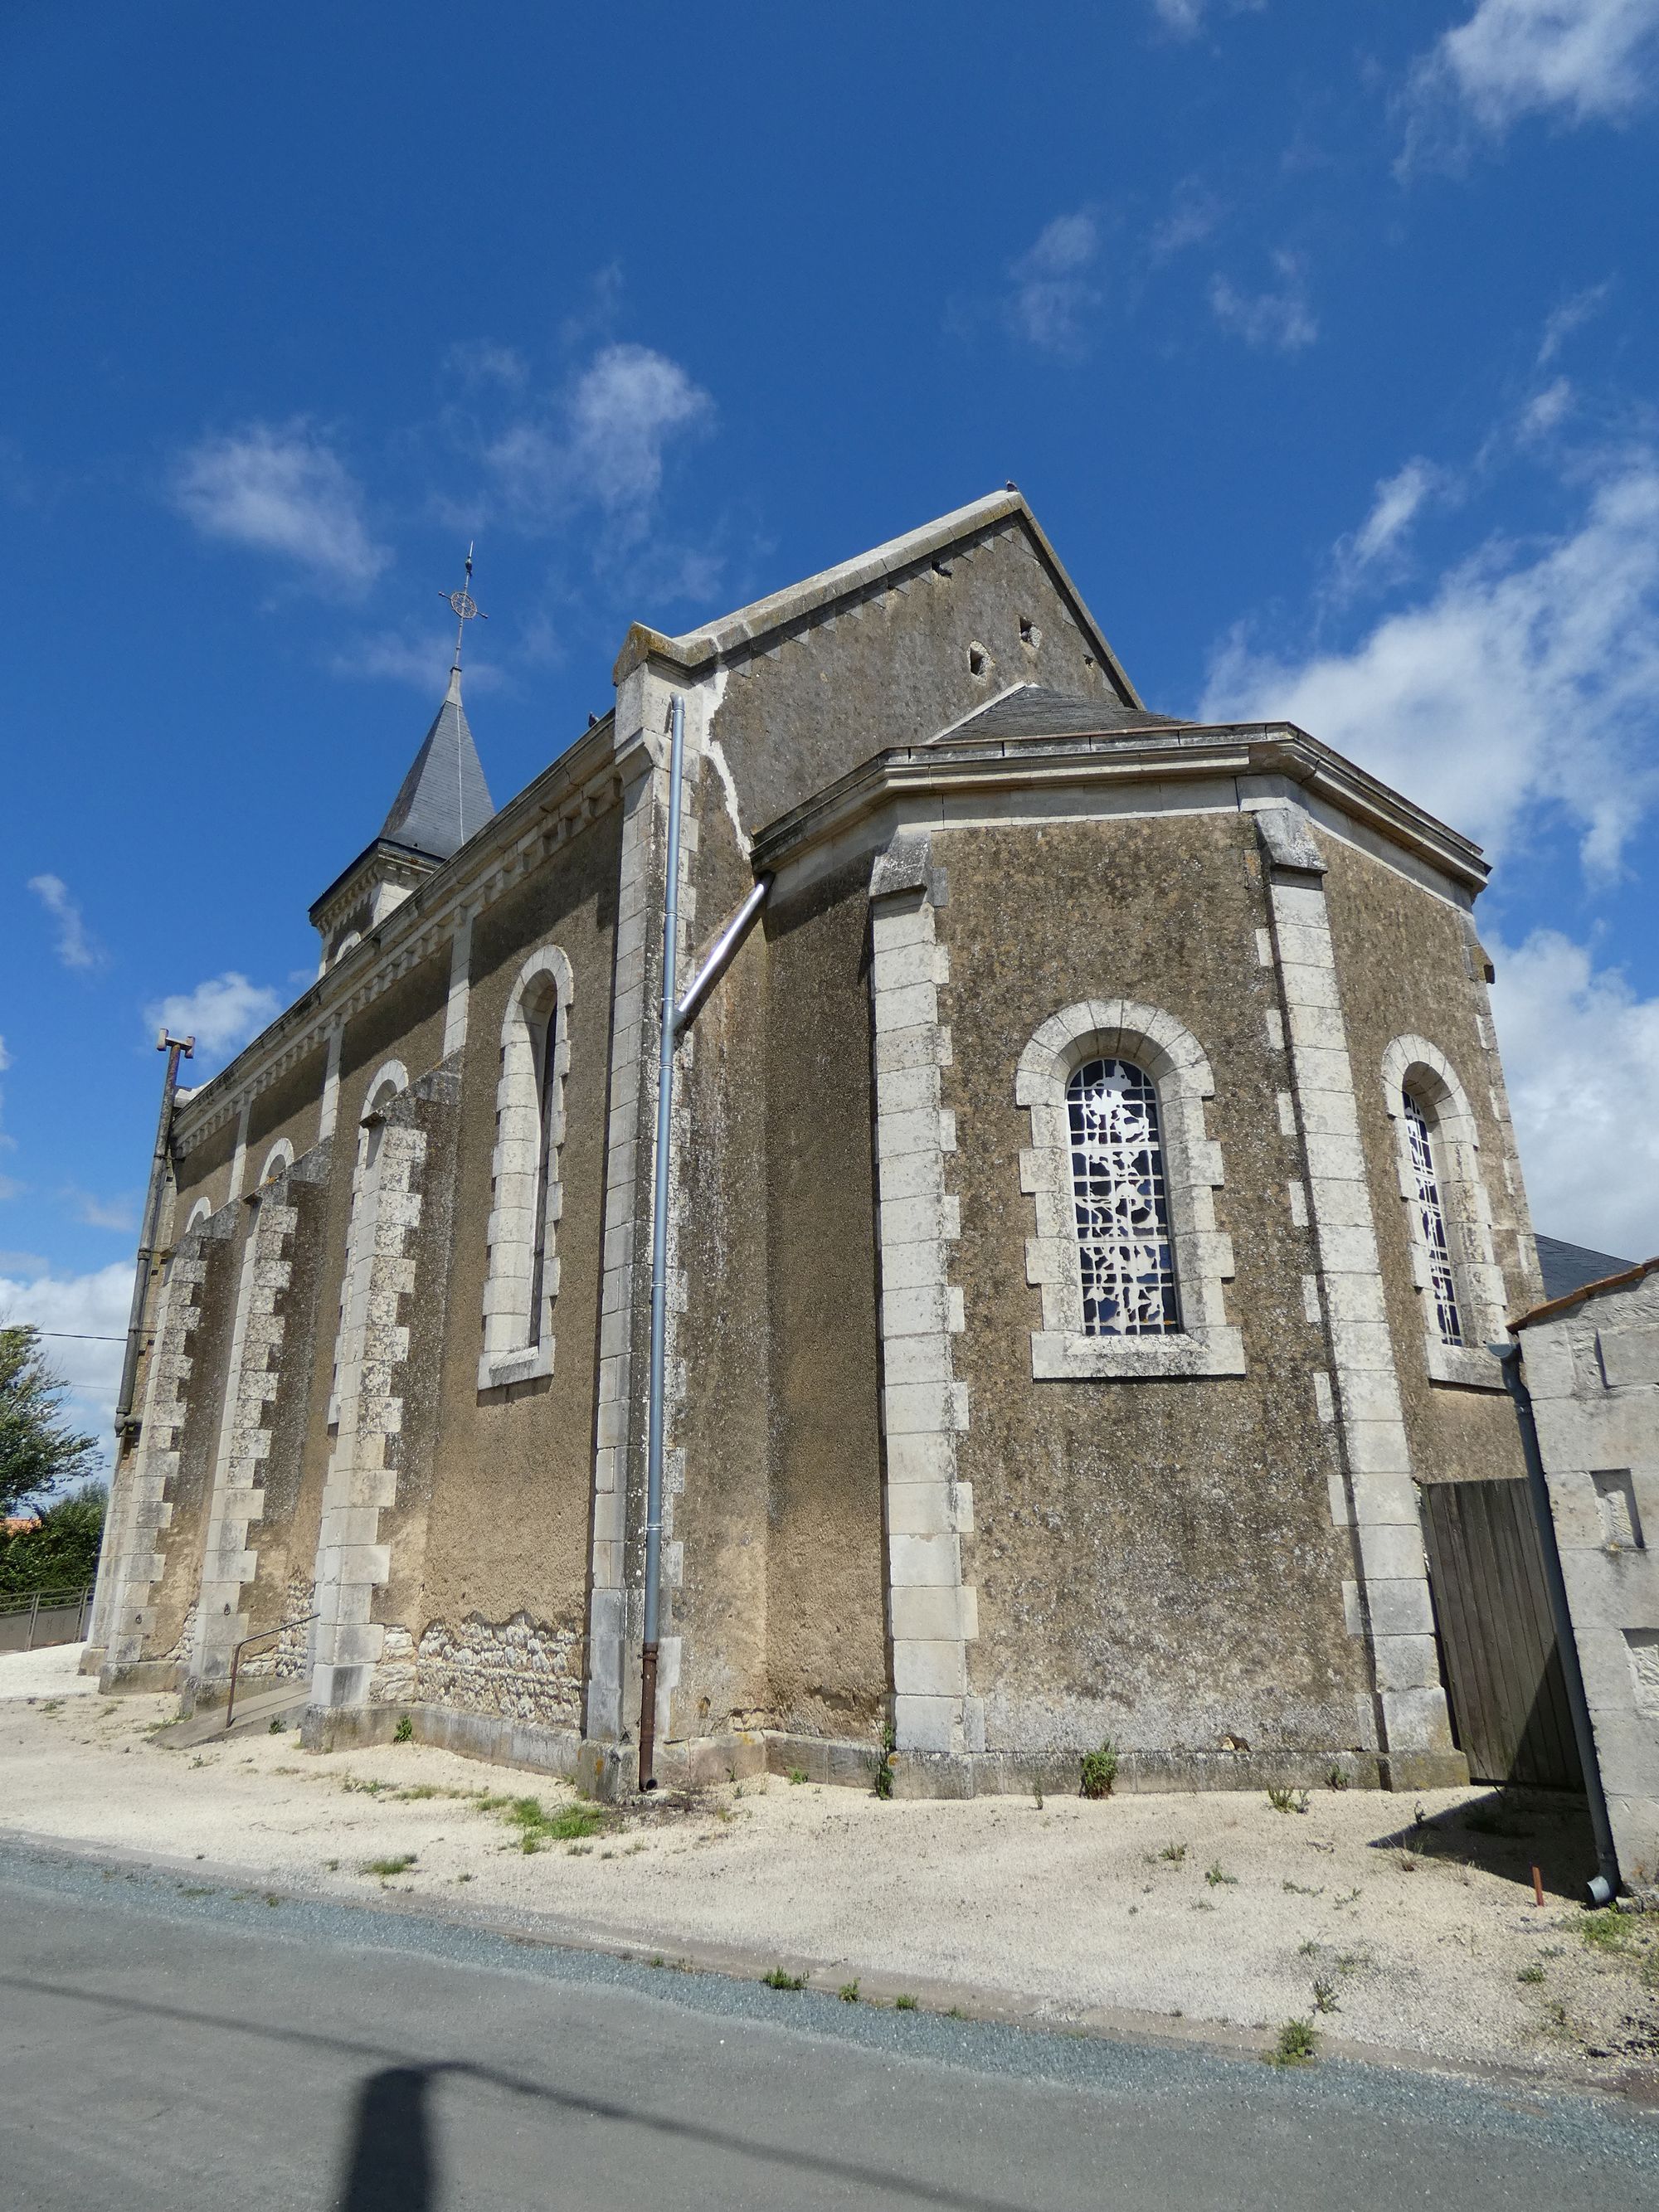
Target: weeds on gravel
[[1324, 1993], [405, 1731], [1098, 1770], [1296, 2044], [1604, 1931], [1175, 1853], [848, 1991], [1530, 1974], [904, 2004], [777, 1979], [1215, 1876], [570, 1823], [1482, 1819], [276, 1728], [798, 1774], [1336, 1778], [1295, 1889], [1289, 1800], [387, 1868]]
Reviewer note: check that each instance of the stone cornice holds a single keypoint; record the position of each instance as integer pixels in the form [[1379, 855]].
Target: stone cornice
[[962, 769], [575, 790]]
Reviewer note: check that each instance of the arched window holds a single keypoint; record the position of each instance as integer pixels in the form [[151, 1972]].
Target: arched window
[[1124, 1246], [550, 1081], [278, 1161], [1431, 1219], [1121, 1172], [1455, 1270], [198, 1213], [528, 1194]]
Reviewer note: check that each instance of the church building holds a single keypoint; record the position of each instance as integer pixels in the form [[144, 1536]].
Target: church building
[[1090, 1191]]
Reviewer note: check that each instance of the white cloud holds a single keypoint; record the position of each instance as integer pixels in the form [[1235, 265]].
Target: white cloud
[[1545, 411], [278, 488], [1581, 1053], [1587, 60], [1378, 542], [405, 656], [1052, 289], [76, 1308], [5, 1057], [1281, 321], [477, 362], [606, 444], [120, 1213], [1185, 18], [76, 948], [1564, 320], [1529, 680], [221, 1014]]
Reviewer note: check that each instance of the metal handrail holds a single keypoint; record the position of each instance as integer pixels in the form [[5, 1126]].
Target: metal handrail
[[35, 1602], [298, 1621]]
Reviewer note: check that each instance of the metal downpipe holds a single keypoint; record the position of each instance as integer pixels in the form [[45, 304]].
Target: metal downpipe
[[1605, 1884], [671, 917]]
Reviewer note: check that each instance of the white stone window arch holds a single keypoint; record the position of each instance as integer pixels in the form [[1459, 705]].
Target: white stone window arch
[[1459, 1284], [278, 1160], [1194, 1337], [201, 1212], [527, 1193], [383, 1086]]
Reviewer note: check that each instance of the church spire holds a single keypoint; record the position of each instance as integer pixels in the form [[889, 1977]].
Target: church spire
[[441, 802], [444, 797]]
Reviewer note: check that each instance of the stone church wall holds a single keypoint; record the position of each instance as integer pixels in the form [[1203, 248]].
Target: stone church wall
[[1155, 1560], [825, 1569], [1419, 959], [894, 668], [715, 1512], [500, 1604]]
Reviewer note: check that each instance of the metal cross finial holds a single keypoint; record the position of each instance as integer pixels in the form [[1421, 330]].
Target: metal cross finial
[[464, 606]]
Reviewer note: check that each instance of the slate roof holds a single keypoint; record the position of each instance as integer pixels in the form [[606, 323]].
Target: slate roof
[[443, 798], [1569, 1267], [1032, 710]]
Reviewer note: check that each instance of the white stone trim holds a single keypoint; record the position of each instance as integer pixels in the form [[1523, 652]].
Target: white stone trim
[[140, 1509], [933, 1606], [391, 1078], [331, 1107], [238, 1157], [278, 1160], [459, 1002], [1387, 1525], [1482, 1303], [201, 1212], [1207, 1344], [352, 1563], [518, 1344], [229, 1564]]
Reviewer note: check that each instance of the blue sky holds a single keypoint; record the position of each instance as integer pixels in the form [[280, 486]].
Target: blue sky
[[1322, 340]]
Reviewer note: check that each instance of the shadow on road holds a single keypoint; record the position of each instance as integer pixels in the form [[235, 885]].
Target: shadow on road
[[391, 2163]]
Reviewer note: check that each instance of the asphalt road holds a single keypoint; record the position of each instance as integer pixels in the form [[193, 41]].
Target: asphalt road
[[181, 2044]]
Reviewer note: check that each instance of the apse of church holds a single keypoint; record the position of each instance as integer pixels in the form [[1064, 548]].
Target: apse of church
[[1091, 1189]]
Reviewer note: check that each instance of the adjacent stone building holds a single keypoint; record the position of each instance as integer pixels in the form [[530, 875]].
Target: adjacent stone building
[[1092, 1186], [1591, 1363]]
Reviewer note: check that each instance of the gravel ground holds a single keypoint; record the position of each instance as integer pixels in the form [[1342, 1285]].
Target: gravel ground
[[1394, 1924]]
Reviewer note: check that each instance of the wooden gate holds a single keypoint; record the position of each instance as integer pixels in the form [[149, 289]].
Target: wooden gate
[[1508, 1704]]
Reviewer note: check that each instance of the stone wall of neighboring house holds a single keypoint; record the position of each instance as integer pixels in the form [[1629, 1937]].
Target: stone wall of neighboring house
[[1591, 1364]]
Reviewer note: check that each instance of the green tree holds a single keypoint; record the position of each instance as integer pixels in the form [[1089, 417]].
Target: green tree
[[60, 1552], [39, 1452]]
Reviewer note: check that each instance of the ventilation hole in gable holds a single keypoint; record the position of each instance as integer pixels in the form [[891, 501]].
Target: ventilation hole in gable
[[1029, 635], [978, 661]]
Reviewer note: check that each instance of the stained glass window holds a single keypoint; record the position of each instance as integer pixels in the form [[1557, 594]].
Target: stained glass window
[[1122, 1207], [1432, 1220]]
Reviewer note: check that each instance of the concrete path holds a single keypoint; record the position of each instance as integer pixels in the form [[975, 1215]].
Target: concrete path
[[172, 2045]]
